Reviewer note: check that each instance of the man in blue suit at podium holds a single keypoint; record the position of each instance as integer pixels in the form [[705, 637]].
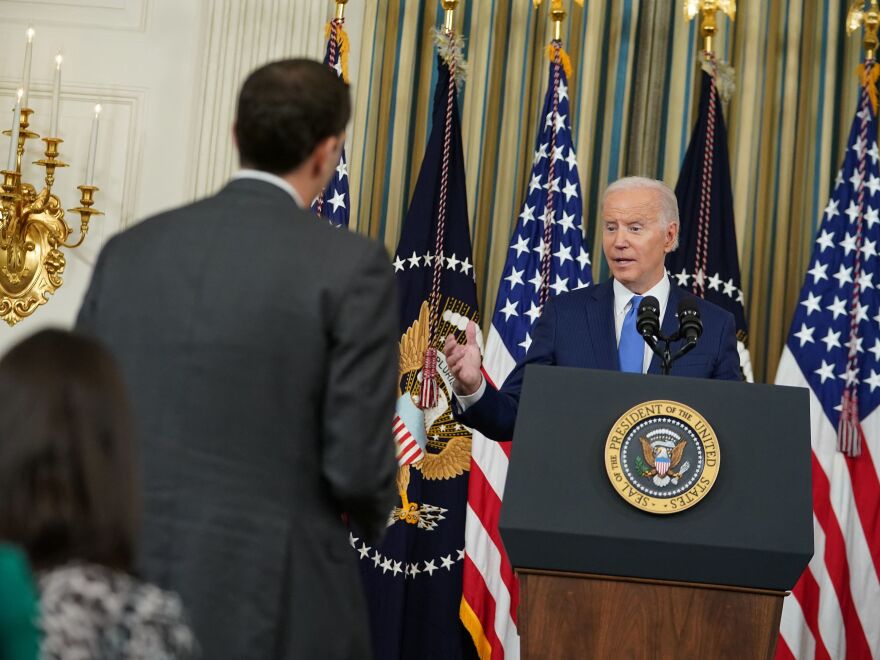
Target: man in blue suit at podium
[[595, 327]]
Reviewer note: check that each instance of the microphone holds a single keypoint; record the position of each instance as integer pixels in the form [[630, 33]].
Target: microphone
[[648, 318], [690, 326]]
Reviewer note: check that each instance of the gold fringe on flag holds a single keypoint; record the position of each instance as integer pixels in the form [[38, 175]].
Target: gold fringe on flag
[[563, 57], [342, 45], [869, 82], [724, 74], [450, 48]]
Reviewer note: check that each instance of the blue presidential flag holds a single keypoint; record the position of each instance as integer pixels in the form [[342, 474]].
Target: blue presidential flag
[[706, 261], [413, 579], [335, 202]]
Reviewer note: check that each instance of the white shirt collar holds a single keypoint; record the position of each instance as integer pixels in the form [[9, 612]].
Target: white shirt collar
[[274, 179], [623, 296]]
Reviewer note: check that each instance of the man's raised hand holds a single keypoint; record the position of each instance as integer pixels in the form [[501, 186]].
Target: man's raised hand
[[464, 361]]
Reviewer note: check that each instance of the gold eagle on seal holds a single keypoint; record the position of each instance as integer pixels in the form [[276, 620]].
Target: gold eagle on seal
[[661, 458]]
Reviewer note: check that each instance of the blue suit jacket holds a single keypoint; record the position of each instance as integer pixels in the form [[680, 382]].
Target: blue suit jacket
[[576, 329]]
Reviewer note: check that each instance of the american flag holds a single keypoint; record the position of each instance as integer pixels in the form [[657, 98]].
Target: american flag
[[490, 591], [335, 202], [834, 345]]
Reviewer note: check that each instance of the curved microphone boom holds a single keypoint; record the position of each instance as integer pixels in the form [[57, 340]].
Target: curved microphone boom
[[690, 327]]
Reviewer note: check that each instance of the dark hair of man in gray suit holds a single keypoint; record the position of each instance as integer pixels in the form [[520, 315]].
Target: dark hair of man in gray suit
[[258, 344]]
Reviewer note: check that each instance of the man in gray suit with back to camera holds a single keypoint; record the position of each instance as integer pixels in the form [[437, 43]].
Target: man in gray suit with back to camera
[[259, 347]]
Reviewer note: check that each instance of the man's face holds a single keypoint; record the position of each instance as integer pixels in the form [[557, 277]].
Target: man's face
[[633, 238]]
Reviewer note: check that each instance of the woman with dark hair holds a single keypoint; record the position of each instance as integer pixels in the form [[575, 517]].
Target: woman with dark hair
[[69, 498]]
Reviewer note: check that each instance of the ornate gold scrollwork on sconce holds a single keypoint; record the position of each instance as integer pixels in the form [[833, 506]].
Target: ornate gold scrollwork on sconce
[[33, 231]]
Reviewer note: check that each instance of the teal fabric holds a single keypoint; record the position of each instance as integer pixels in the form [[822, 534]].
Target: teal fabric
[[19, 638]]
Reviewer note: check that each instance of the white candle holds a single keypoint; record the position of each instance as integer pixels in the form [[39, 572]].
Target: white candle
[[26, 75], [13, 139], [93, 147], [56, 96]]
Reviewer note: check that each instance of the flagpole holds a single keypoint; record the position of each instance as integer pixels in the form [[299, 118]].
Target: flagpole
[[560, 60], [557, 15], [708, 12], [846, 421], [449, 51], [869, 20], [337, 191], [552, 201], [849, 431], [449, 7]]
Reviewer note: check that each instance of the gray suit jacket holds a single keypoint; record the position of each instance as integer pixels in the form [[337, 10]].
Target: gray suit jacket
[[259, 348]]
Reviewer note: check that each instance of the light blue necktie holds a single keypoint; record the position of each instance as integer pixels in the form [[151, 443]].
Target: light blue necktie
[[631, 348]]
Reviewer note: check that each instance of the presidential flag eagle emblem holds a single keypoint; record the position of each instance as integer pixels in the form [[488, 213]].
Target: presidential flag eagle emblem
[[430, 441]]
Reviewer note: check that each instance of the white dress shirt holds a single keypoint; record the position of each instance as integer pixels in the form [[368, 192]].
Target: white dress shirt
[[274, 179], [622, 303]]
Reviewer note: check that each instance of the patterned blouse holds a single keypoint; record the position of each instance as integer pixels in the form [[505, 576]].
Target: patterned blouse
[[89, 612]]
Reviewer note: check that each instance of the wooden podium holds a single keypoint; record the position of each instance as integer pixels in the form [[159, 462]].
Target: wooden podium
[[571, 615], [600, 578]]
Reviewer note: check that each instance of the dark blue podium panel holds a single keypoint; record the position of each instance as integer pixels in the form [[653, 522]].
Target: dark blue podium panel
[[753, 529]]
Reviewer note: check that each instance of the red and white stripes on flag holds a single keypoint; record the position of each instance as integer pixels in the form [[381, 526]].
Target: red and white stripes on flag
[[834, 350], [490, 591], [547, 257], [834, 610], [408, 450]]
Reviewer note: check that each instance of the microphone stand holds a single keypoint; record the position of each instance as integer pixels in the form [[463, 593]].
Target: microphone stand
[[662, 353], [689, 328], [660, 344]]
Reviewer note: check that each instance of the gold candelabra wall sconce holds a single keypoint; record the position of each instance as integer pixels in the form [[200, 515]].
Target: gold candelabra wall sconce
[[33, 228]]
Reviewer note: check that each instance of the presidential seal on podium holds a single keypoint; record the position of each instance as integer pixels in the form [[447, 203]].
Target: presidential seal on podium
[[662, 456]]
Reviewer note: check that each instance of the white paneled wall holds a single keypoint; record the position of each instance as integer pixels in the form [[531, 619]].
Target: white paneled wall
[[242, 35], [166, 73]]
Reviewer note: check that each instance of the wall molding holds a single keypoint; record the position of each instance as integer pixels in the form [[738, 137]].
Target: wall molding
[[123, 15]]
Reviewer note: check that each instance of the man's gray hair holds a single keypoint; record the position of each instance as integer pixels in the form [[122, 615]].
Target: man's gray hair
[[666, 198]]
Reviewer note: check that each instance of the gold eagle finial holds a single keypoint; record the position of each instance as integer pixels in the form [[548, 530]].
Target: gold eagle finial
[[557, 15], [869, 19], [709, 9]]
